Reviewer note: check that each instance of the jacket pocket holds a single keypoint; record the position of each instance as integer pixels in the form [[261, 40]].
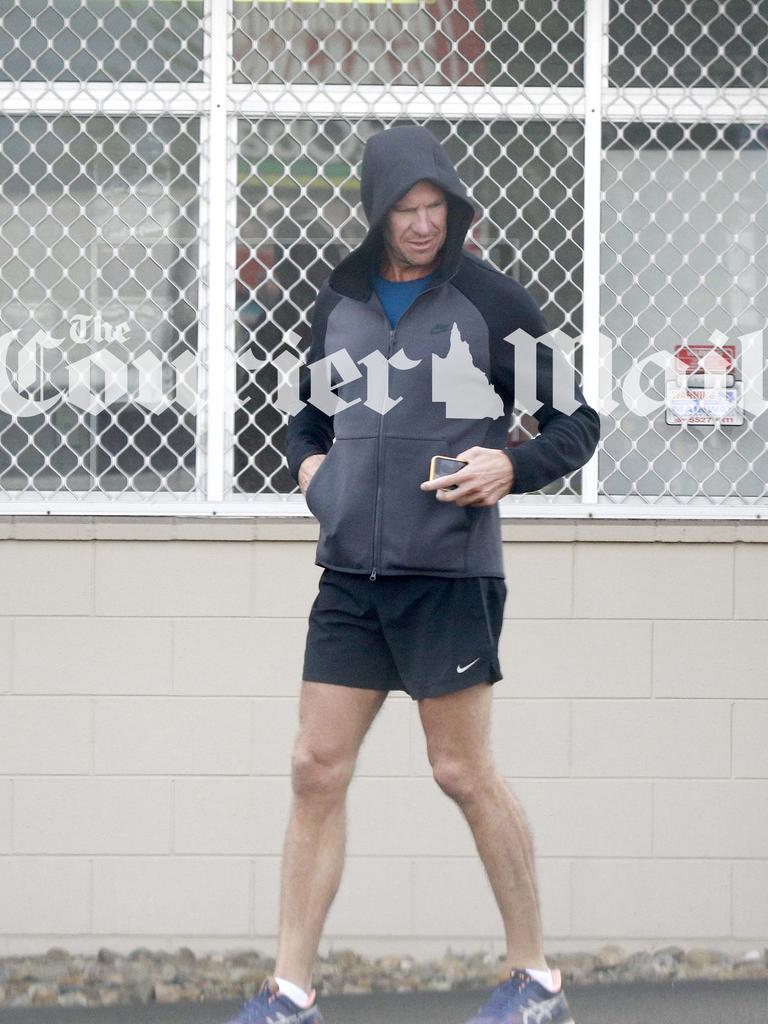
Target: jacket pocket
[[419, 532], [341, 496]]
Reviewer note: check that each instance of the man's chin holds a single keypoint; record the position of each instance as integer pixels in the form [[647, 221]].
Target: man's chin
[[421, 259], [409, 258]]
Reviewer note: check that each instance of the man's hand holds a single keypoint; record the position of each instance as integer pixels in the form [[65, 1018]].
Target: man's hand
[[488, 476], [307, 470]]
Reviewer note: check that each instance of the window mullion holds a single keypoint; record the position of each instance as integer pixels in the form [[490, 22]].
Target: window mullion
[[217, 371], [594, 69]]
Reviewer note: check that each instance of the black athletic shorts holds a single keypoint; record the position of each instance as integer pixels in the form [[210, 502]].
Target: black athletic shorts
[[427, 635]]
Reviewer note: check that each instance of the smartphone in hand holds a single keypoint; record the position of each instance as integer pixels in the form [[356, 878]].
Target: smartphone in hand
[[443, 465]]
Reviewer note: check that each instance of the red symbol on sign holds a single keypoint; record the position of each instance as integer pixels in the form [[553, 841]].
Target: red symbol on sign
[[715, 359]]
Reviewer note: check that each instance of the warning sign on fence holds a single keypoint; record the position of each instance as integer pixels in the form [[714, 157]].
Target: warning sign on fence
[[705, 391]]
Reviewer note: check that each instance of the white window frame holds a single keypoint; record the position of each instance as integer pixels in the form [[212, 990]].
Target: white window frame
[[219, 103]]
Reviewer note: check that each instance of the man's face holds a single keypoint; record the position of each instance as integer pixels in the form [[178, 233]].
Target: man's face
[[416, 228]]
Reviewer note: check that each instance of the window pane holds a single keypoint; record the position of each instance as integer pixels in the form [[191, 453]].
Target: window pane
[[98, 303], [427, 42], [102, 41], [673, 43], [298, 215], [684, 262]]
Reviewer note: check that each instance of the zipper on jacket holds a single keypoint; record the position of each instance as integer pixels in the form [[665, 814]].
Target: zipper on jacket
[[372, 576], [390, 349]]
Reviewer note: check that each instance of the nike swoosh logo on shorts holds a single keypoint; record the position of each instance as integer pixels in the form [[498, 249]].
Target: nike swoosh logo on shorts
[[463, 668]]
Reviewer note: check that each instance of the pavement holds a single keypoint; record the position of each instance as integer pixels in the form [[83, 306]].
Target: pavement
[[684, 1002]]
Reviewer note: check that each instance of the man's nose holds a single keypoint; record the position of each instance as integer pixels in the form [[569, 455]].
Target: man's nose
[[421, 225]]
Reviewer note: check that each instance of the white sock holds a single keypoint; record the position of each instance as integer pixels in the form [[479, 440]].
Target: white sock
[[294, 993], [543, 977]]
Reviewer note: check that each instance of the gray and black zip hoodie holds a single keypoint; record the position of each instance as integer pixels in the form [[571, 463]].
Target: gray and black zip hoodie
[[373, 517]]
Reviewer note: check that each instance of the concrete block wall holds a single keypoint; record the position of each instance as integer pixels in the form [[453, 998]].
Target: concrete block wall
[[149, 676]]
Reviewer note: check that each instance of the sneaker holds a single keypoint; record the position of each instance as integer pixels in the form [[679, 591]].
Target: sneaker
[[270, 1006], [522, 1000]]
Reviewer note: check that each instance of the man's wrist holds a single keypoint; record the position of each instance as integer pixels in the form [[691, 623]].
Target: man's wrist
[[305, 470], [510, 457], [312, 455]]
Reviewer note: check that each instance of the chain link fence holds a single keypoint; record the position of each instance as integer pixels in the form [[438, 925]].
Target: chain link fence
[[177, 177]]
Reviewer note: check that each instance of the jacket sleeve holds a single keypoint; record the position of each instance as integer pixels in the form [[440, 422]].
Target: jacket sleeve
[[310, 431], [565, 441]]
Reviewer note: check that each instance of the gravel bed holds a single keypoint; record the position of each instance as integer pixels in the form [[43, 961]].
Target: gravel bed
[[109, 978]]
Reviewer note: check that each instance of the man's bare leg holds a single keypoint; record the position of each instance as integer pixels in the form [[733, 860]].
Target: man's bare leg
[[457, 729], [333, 721]]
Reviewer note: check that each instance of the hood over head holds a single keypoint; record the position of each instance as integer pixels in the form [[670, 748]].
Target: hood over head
[[394, 160]]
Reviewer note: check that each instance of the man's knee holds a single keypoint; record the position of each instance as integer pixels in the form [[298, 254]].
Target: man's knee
[[463, 781], [318, 771]]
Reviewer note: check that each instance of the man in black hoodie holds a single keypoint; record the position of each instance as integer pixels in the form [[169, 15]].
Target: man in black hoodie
[[412, 593]]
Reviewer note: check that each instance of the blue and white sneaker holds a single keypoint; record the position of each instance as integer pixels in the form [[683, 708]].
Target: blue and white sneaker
[[522, 1000], [270, 1006]]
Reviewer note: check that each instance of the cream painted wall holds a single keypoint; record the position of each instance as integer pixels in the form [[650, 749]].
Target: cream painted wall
[[149, 673]]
